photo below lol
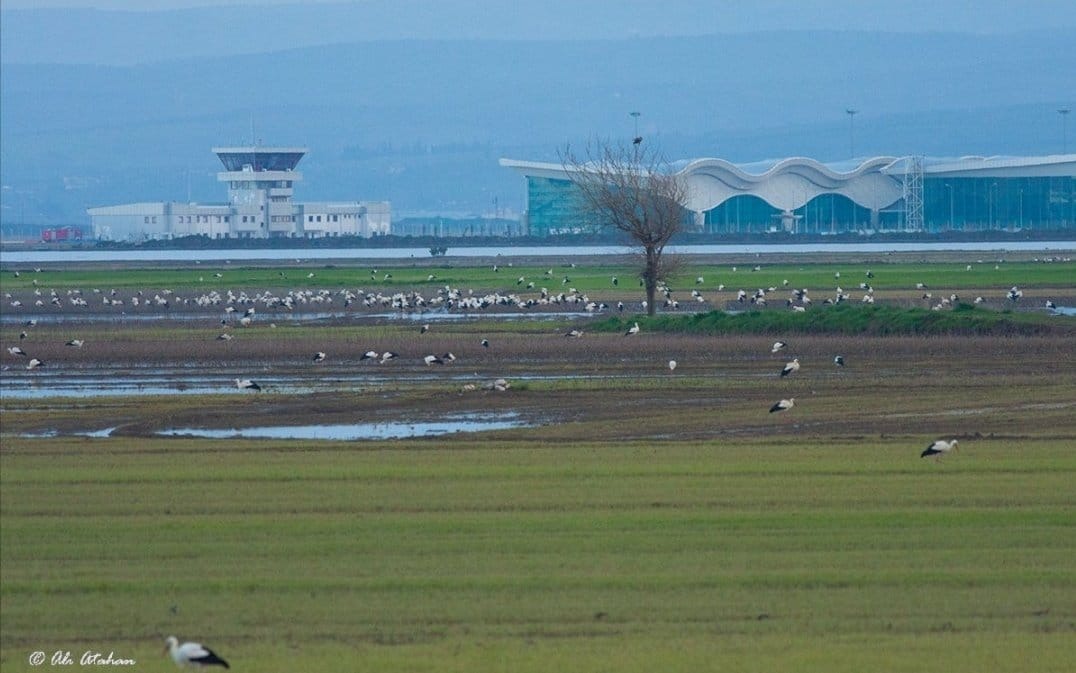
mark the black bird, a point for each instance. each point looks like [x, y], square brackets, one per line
[637, 140]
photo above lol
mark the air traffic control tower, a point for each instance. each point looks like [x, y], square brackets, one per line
[260, 186]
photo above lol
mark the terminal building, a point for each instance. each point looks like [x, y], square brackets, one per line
[804, 196]
[260, 184]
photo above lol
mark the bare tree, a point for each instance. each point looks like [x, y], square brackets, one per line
[632, 191]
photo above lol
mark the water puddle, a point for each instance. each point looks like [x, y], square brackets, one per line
[357, 431]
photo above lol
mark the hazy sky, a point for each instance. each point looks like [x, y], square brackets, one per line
[973, 16]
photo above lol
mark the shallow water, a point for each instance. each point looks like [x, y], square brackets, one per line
[304, 254]
[357, 431]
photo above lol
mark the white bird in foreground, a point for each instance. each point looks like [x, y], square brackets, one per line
[634, 329]
[35, 363]
[793, 366]
[778, 345]
[244, 384]
[783, 405]
[939, 448]
[192, 654]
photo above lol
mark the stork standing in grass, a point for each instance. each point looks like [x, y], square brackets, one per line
[192, 655]
[634, 329]
[783, 405]
[778, 345]
[246, 384]
[939, 448]
[790, 367]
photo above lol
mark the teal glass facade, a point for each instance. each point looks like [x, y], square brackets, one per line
[824, 214]
[949, 203]
[977, 204]
[553, 207]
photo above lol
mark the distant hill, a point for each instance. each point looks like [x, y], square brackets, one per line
[103, 37]
[423, 122]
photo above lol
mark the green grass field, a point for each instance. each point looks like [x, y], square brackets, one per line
[821, 276]
[816, 556]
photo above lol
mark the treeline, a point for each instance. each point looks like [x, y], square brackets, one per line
[853, 319]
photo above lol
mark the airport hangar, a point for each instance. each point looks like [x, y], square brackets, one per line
[260, 183]
[804, 196]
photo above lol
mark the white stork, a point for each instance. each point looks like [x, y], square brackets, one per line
[15, 350]
[370, 355]
[34, 363]
[244, 384]
[634, 329]
[432, 359]
[783, 405]
[672, 365]
[839, 360]
[224, 336]
[939, 448]
[778, 345]
[485, 343]
[574, 333]
[790, 367]
[193, 655]
[425, 328]
[319, 357]
[388, 355]
[76, 343]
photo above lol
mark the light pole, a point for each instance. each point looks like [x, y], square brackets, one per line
[851, 131]
[951, 218]
[637, 139]
[1064, 112]
[991, 193]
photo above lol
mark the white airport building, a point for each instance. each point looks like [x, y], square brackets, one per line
[801, 195]
[260, 188]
